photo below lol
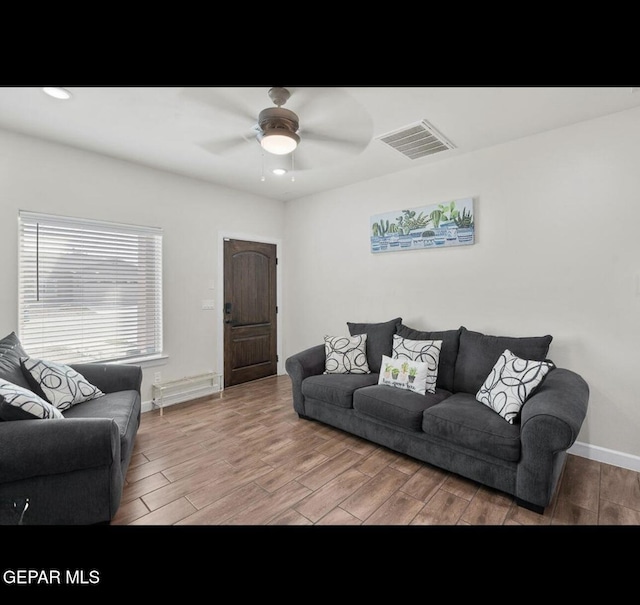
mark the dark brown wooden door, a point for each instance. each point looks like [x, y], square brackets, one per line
[250, 331]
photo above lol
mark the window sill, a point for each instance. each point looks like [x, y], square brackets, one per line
[147, 361]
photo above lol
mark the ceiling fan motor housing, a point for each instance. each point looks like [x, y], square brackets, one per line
[278, 126]
[277, 118]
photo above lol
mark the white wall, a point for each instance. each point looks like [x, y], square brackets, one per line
[557, 252]
[46, 177]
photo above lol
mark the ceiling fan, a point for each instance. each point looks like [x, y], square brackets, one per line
[278, 126]
[323, 126]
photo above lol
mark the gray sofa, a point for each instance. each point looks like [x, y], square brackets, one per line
[450, 428]
[71, 469]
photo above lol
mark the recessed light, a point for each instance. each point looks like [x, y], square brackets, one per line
[57, 92]
[279, 171]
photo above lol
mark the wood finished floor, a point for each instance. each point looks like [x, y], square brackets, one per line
[245, 458]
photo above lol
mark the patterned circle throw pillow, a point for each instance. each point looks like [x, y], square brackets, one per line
[60, 384]
[344, 355]
[18, 403]
[423, 351]
[427, 351]
[510, 383]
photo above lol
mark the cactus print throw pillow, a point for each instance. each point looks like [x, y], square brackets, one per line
[406, 374]
[510, 383]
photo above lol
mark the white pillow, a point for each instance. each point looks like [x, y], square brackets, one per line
[346, 355]
[60, 384]
[18, 403]
[510, 383]
[413, 376]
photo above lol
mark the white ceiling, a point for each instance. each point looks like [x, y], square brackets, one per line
[198, 131]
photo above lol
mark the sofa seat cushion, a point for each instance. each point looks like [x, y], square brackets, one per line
[123, 407]
[336, 389]
[397, 406]
[464, 421]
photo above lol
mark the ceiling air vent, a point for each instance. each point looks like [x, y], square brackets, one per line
[417, 141]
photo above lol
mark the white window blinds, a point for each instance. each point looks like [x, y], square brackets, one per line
[89, 291]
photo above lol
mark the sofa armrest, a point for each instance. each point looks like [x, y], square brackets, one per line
[111, 377]
[550, 422]
[309, 362]
[561, 400]
[34, 448]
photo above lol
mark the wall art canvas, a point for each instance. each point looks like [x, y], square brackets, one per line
[436, 226]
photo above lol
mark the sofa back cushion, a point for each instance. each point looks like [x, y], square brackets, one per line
[478, 353]
[10, 353]
[379, 339]
[448, 352]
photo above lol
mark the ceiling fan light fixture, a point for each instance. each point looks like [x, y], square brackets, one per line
[57, 92]
[278, 128]
[279, 141]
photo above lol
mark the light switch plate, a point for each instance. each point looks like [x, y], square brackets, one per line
[207, 305]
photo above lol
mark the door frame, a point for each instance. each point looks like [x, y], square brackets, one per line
[222, 235]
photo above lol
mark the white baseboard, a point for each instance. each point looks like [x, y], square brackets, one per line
[147, 406]
[602, 454]
[170, 400]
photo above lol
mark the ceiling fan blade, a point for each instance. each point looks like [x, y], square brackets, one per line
[228, 145]
[303, 99]
[347, 144]
[331, 117]
[222, 99]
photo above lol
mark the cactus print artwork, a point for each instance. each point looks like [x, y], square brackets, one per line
[436, 226]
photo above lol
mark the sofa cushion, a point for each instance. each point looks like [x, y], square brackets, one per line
[461, 420]
[344, 355]
[10, 353]
[379, 339]
[18, 403]
[59, 384]
[448, 352]
[396, 406]
[478, 354]
[123, 407]
[336, 389]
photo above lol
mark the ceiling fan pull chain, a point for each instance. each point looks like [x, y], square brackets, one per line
[262, 178]
[293, 178]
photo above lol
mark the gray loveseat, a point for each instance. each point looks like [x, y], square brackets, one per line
[450, 428]
[71, 469]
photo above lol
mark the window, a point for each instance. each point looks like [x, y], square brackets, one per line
[89, 291]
